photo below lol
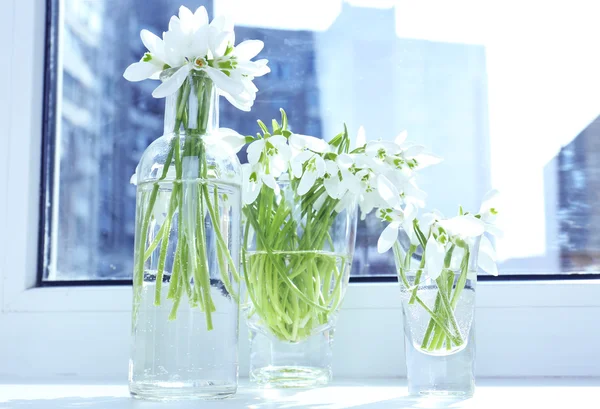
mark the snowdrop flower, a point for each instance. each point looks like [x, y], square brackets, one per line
[301, 142]
[192, 44]
[227, 139]
[334, 185]
[314, 168]
[489, 211]
[272, 151]
[434, 257]
[463, 226]
[308, 164]
[398, 218]
[254, 177]
[389, 235]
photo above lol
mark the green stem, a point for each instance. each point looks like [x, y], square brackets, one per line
[164, 246]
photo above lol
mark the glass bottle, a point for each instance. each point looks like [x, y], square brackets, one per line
[187, 255]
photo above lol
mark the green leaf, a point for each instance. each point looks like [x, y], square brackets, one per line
[460, 210]
[346, 145]
[249, 139]
[336, 140]
[276, 127]
[284, 120]
[286, 133]
[262, 126]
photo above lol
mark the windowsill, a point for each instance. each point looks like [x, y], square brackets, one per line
[517, 393]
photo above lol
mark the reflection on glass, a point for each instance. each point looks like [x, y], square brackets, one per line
[515, 110]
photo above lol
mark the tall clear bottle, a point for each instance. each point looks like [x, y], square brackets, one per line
[187, 255]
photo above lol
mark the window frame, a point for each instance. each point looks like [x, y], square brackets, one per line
[524, 326]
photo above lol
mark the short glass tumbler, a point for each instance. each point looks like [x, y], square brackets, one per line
[438, 315]
[296, 271]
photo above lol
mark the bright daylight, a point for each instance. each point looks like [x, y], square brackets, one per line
[299, 204]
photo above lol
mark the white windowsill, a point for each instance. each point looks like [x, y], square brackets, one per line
[542, 393]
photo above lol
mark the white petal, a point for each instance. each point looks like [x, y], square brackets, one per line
[361, 137]
[414, 195]
[390, 148]
[485, 246]
[218, 41]
[231, 138]
[224, 82]
[199, 44]
[487, 264]
[331, 167]
[310, 142]
[320, 165]
[151, 41]
[201, 16]
[252, 69]
[277, 165]
[173, 83]
[408, 227]
[457, 256]
[246, 50]
[410, 212]
[278, 140]
[299, 161]
[251, 191]
[388, 237]
[222, 23]
[237, 101]
[494, 230]
[254, 151]
[401, 138]
[306, 183]
[174, 25]
[139, 71]
[388, 191]
[186, 18]
[344, 161]
[427, 159]
[464, 226]
[434, 257]
[413, 151]
[332, 186]
[270, 181]
[319, 203]
[352, 182]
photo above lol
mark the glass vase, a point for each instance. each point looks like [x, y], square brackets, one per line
[438, 314]
[296, 270]
[187, 256]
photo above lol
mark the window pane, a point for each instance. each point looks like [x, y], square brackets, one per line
[507, 106]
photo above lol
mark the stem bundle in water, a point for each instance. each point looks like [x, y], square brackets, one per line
[193, 211]
[294, 277]
[443, 330]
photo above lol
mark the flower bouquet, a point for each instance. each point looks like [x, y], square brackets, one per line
[188, 222]
[437, 261]
[300, 206]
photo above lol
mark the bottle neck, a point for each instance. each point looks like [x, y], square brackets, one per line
[194, 108]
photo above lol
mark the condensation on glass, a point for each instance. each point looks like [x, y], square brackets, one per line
[515, 111]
